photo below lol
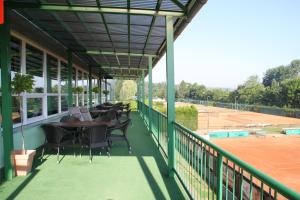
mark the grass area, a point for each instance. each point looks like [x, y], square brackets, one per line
[272, 130]
[185, 115]
[140, 175]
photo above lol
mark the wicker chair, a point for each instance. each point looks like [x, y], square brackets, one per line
[123, 127]
[95, 137]
[56, 137]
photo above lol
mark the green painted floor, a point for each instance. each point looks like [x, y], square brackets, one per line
[140, 175]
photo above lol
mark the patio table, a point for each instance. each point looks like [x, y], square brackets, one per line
[82, 124]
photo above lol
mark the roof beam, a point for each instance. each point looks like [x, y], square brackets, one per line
[179, 4]
[128, 30]
[118, 53]
[93, 9]
[123, 68]
[159, 2]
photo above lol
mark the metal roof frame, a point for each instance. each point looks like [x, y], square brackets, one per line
[111, 36]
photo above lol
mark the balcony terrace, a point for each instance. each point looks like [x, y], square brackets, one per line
[140, 175]
[67, 44]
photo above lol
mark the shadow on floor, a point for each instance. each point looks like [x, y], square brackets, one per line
[23, 184]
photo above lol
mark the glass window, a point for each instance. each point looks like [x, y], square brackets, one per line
[85, 88]
[80, 84]
[73, 77]
[64, 77]
[15, 50]
[34, 67]
[52, 85]
[64, 103]
[52, 71]
[52, 102]
[34, 107]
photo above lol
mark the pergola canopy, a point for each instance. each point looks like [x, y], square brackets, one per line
[116, 38]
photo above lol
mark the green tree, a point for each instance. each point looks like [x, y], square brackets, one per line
[183, 90]
[291, 89]
[251, 91]
[128, 90]
[118, 87]
[281, 73]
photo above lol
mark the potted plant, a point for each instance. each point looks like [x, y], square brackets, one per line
[78, 90]
[22, 158]
[96, 90]
[105, 92]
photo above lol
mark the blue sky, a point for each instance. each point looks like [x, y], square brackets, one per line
[228, 41]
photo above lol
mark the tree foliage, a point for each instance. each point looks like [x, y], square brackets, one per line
[279, 87]
[128, 90]
[22, 83]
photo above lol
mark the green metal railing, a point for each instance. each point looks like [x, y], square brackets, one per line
[158, 125]
[206, 171]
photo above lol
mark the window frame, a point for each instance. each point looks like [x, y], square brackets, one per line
[26, 121]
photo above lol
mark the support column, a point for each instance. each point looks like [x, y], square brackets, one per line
[170, 95]
[90, 87]
[150, 92]
[100, 91]
[70, 93]
[143, 87]
[106, 90]
[7, 128]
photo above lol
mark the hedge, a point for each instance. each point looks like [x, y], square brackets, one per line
[185, 115]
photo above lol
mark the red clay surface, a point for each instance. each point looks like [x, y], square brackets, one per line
[215, 118]
[278, 157]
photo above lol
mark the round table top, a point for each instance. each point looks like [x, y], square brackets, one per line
[104, 111]
[82, 124]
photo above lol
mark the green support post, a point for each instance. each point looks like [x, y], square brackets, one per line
[100, 91]
[70, 93]
[170, 95]
[143, 87]
[7, 128]
[90, 87]
[219, 177]
[150, 92]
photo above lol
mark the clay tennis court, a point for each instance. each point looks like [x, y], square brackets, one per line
[215, 118]
[273, 153]
[278, 157]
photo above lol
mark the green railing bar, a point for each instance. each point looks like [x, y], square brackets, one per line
[233, 184]
[219, 176]
[226, 194]
[279, 187]
[241, 184]
[262, 191]
[208, 161]
[251, 187]
[183, 184]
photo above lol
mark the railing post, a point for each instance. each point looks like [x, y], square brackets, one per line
[90, 87]
[7, 128]
[150, 92]
[219, 176]
[70, 93]
[170, 95]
